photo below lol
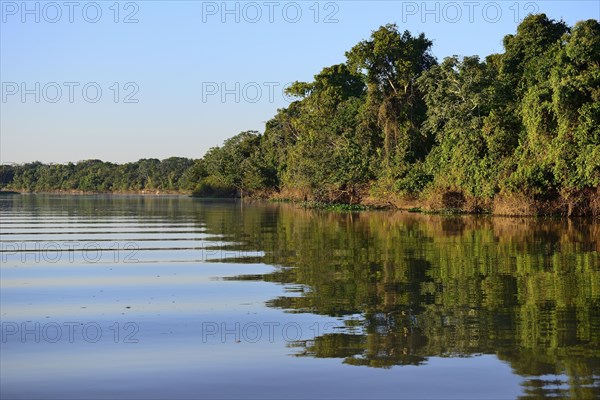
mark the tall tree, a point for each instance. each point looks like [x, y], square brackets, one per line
[391, 62]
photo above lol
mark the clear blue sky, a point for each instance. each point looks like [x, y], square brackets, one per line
[179, 56]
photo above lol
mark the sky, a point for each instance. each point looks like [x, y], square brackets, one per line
[120, 81]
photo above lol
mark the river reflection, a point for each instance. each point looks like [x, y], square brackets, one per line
[406, 288]
[417, 286]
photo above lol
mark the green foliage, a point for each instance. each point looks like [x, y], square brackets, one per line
[459, 94]
[392, 121]
[238, 164]
[210, 188]
[415, 180]
[99, 176]
[327, 158]
[390, 63]
[560, 114]
[7, 174]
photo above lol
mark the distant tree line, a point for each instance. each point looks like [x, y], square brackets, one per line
[518, 132]
[171, 174]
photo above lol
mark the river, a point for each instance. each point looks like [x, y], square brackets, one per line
[173, 297]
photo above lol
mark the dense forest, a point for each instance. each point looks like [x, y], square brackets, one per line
[174, 174]
[515, 133]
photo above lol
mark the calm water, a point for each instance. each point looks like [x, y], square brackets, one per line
[172, 297]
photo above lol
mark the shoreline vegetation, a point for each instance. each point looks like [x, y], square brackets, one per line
[501, 209]
[517, 133]
[96, 192]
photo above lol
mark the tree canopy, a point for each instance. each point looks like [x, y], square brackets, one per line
[516, 132]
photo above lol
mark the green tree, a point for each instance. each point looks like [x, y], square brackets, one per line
[391, 62]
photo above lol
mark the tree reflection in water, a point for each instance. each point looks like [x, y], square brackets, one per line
[526, 290]
[407, 287]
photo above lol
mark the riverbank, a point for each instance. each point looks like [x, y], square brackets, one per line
[83, 192]
[586, 204]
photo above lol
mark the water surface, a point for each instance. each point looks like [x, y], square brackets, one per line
[173, 297]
